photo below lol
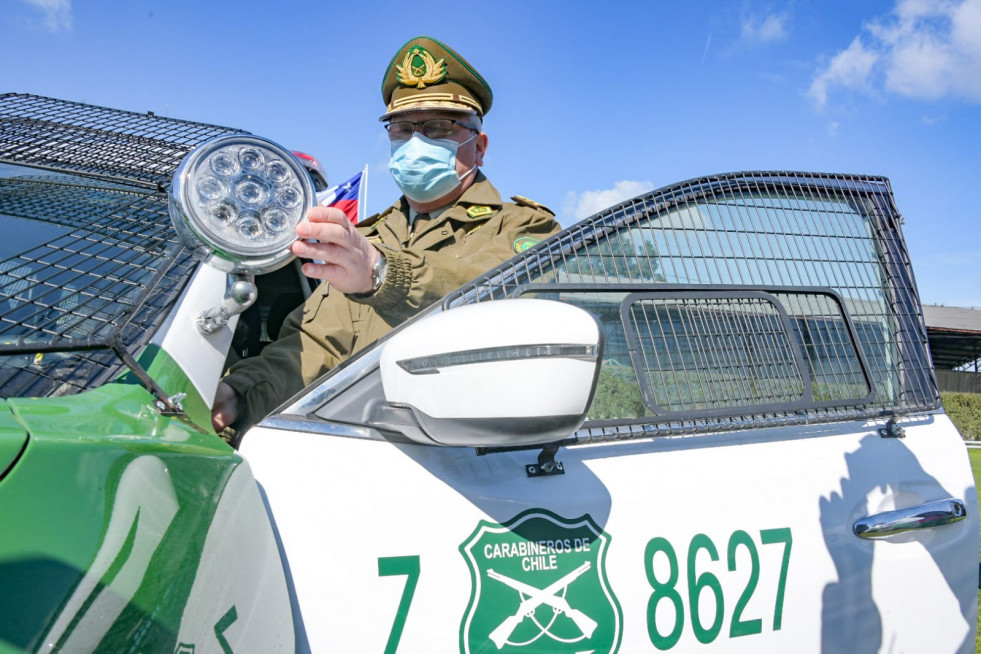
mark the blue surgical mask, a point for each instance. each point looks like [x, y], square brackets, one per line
[425, 168]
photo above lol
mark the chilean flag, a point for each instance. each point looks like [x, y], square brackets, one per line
[343, 196]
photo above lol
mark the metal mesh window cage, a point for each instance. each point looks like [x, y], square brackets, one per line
[725, 352]
[133, 148]
[76, 308]
[853, 346]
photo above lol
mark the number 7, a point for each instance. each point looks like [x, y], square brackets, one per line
[389, 566]
[769, 537]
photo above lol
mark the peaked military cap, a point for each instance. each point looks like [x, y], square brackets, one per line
[427, 74]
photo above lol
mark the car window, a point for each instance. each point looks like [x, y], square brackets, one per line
[76, 275]
[780, 297]
[89, 264]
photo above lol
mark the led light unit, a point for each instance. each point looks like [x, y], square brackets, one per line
[236, 200]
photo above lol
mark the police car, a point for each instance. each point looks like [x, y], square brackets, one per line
[704, 419]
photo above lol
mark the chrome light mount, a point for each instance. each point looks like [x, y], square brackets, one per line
[239, 296]
[235, 202]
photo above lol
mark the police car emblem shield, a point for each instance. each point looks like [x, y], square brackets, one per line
[539, 584]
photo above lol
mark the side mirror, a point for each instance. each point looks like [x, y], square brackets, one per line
[497, 374]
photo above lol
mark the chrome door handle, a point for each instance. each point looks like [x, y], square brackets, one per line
[924, 516]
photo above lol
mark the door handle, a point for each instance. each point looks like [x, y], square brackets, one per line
[924, 516]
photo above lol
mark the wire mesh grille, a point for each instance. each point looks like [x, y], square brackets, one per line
[740, 353]
[96, 289]
[759, 229]
[102, 285]
[141, 149]
[698, 354]
[830, 347]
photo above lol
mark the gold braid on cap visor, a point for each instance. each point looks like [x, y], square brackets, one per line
[435, 101]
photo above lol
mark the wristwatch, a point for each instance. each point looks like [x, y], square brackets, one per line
[378, 273]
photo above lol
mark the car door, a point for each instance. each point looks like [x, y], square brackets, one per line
[763, 466]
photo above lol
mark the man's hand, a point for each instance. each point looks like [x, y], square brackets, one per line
[225, 409]
[347, 256]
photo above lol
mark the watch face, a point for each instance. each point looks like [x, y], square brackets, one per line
[378, 272]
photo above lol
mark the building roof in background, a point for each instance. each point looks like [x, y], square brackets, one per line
[954, 334]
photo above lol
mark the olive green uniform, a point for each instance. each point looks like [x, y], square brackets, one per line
[434, 257]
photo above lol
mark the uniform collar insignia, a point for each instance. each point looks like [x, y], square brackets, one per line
[477, 210]
[419, 68]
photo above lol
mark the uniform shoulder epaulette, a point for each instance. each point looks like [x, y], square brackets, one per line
[525, 202]
[372, 221]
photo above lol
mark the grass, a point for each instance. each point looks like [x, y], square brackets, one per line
[975, 456]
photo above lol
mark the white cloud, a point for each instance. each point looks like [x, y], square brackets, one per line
[582, 205]
[850, 68]
[56, 15]
[923, 49]
[765, 30]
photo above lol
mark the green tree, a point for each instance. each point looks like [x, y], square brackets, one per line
[628, 255]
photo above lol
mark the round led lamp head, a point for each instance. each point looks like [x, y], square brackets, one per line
[236, 200]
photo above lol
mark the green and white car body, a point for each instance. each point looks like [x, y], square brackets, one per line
[702, 420]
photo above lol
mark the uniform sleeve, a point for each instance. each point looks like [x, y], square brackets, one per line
[313, 339]
[321, 334]
[417, 278]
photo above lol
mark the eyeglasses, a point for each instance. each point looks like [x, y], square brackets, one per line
[435, 128]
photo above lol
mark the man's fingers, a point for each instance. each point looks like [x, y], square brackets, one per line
[225, 409]
[327, 214]
[320, 270]
[321, 231]
[327, 231]
[218, 422]
[308, 250]
[331, 252]
[347, 257]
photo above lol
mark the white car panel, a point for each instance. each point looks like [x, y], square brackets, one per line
[342, 504]
[202, 357]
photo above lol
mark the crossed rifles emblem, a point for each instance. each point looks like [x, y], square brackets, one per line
[532, 598]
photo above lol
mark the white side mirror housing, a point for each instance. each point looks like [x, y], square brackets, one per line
[497, 374]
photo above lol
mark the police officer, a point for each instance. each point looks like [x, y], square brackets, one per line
[449, 226]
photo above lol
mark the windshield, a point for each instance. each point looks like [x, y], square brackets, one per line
[77, 262]
[89, 262]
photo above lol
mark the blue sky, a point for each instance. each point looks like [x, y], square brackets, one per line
[593, 102]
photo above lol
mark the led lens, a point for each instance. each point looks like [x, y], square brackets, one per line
[239, 198]
[251, 191]
[288, 197]
[249, 226]
[275, 220]
[211, 189]
[277, 172]
[224, 164]
[251, 159]
[225, 213]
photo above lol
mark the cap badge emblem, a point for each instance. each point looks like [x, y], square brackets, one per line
[420, 68]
